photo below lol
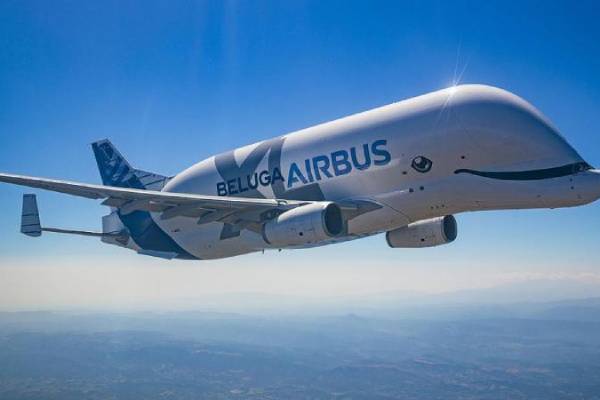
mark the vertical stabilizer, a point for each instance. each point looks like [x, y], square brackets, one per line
[30, 217]
[116, 171]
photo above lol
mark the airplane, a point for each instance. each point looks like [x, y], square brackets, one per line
[403, 169]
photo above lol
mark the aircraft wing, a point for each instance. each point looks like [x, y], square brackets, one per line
[207, 208]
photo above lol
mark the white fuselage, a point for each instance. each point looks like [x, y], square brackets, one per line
[461, 149]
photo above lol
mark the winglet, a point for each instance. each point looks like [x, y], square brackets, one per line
[30, 217]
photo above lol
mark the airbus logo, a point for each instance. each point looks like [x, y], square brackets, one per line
[311, 170]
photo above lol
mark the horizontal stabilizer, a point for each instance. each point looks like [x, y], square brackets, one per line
[80, 233]
[30, 217]
[30, 222]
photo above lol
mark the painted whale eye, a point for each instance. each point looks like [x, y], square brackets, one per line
[421, 164]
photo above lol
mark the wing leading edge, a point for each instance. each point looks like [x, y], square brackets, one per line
[147, 200]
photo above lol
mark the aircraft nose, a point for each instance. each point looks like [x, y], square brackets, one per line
[587, 185]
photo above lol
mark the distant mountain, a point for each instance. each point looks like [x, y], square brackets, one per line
[529, 291]
[551, 298]
[525, 291]
[544, 299]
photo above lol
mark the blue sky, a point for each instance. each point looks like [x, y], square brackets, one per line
[173, 82]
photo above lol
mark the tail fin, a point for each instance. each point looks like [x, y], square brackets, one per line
[116, 171]
[30, 216]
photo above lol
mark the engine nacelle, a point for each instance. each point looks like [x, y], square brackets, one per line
[426, 233]
[305, 225]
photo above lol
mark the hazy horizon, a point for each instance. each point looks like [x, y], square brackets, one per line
[271, 287]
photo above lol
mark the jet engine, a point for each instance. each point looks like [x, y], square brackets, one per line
[426, 233]
[305, 225]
